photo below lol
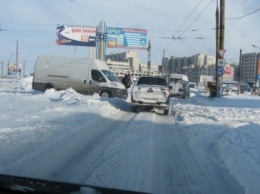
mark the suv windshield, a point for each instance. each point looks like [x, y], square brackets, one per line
[110, 75]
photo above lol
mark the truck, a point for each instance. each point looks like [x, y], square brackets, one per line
[150, 92]
[84, 75]
[179, 85]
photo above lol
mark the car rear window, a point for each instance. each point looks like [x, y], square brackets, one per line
[152, 81]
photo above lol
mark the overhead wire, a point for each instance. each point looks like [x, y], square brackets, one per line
[197, 17]
[52, 25]
[189, 16]
[176, 31]
[237, 18]
[146, 9]
[188, 45]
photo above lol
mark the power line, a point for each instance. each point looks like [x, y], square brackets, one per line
[189, 15]
[186, 45]
[175, 31]
[243, 15]
[151, 10]
[182, 38]
[197, 17]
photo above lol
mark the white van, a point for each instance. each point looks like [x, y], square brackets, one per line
[86, 76]
[179, 86]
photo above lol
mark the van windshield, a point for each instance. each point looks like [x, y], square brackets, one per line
[110, 75]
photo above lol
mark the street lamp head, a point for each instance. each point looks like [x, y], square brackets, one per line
[255, 46]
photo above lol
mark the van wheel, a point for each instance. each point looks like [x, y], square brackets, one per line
[47, 87]
[105, 94]
[166, 112]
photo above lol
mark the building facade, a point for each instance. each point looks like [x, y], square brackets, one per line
[198, 68]
[129, 63]
[194, 67]
[249, 67]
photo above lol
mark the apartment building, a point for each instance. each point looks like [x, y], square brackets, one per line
[249, 66]
[129, 63]
[194, 66]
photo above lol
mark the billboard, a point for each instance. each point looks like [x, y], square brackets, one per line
[228, 69]
[126, 38]
[75, 35]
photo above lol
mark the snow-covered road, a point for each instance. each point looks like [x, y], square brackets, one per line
[68, 137]
[141, 152]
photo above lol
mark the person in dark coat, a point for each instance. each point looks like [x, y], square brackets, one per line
[127, 81]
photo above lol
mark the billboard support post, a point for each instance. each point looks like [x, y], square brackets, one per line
[101, 39]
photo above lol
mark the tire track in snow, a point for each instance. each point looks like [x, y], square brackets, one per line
[91, 157]
[57, 159]
[179, 169]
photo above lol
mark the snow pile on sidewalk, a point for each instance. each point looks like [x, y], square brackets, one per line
[230, 127]
[94, 103]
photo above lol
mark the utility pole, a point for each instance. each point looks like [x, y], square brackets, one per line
[222, 26]
[163, 62]
[149, 57]
[2, 65]
[220, 37]
[240, 70]
[17, 59]
[217, 48]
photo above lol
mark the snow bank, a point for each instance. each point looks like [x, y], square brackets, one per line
[230, 127]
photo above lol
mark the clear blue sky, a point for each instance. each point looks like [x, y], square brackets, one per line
[33, 24]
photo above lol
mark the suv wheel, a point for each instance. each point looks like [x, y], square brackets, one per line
[166, 112]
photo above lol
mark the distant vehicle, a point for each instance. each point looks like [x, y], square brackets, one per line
[179, 86]
[150, 92]
[86, 76]
[229, 87]
[192, 84]
[201, 86]
[233, 86]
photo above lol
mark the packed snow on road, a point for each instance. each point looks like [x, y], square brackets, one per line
[203, 146]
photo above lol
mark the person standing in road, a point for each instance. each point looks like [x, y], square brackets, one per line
[127, 81]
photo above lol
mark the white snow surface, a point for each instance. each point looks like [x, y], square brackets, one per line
[37, 131]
